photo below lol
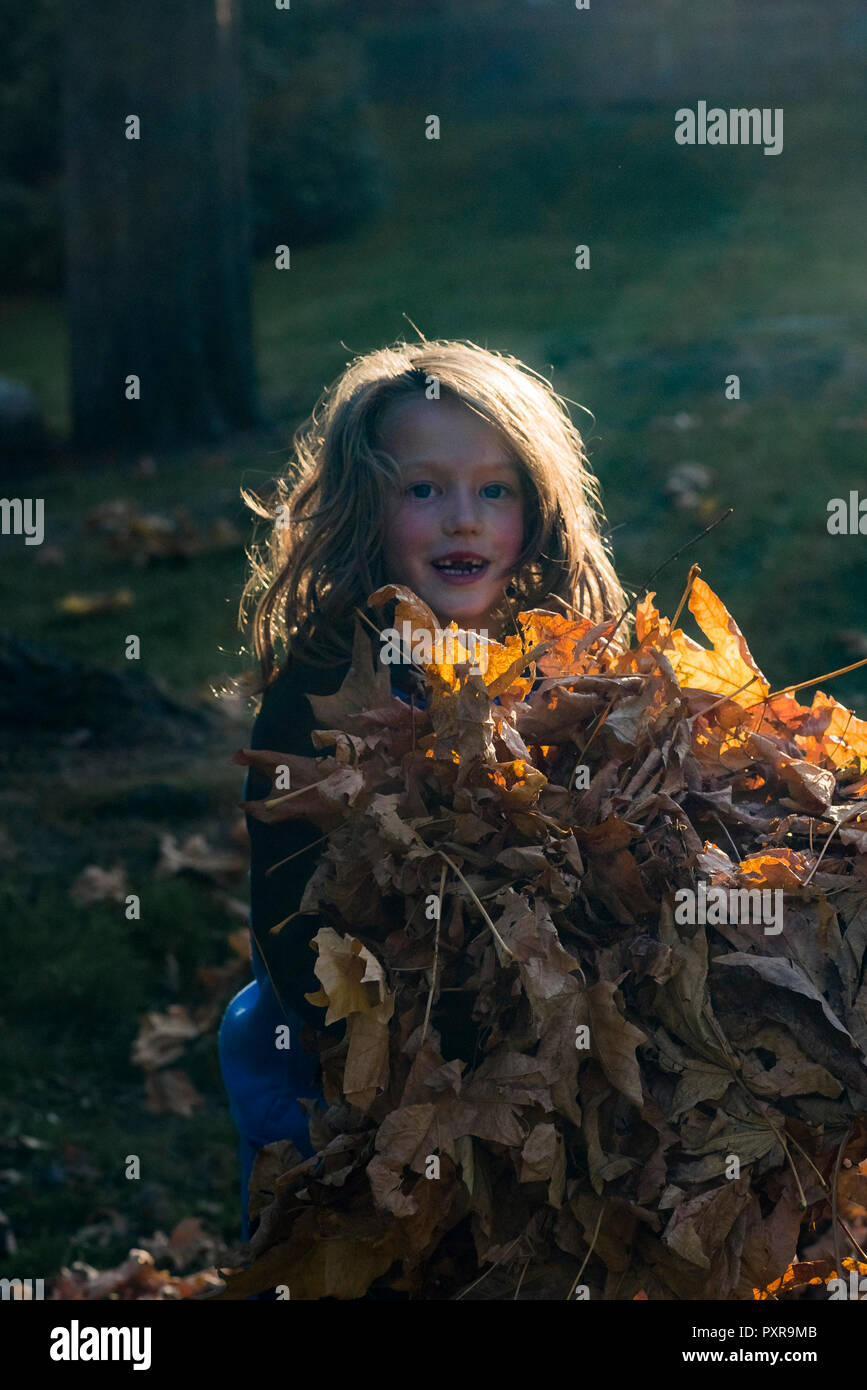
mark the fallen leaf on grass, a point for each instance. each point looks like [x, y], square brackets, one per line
[163, 1037]
[171, 1093]
[95, 885]
[197, 856]
[92, 605]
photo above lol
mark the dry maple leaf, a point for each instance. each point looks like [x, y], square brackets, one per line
[728, 667]
[833, 734]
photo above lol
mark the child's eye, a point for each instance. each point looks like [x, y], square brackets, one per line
[413, 490]
[503, 489]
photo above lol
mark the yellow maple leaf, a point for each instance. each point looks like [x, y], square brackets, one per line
[353, 981]
[727, 667]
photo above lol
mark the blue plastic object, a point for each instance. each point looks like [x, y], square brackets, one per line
[263, 1081]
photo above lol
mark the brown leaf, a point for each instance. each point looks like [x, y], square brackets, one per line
[614, 1041]
[698, 1228]
[95, 885]
[162, 1038]
[197, 856]
[367, 685]
[171, 1093]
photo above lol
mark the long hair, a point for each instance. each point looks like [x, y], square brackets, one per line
[324, 553]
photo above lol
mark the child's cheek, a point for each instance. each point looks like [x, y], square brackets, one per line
[412, 529]
[407, 538]
[511, 537]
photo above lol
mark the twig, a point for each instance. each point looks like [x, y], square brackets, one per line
[302, 850]
[571, 607]
[829, 675]
[600, 720]
[364, 618]
[725, 830]
[488, 1271]
[272, 931]
[639, 593]
[433, 983]
[270, 975]
[577, 1279]
[521, 1280]
[834, 1181]
[852, 1238]
[722, 698]
[780, 1135]
[474, 896]
[838, 826]
[803, 1152]
[407, 658]
[694, 572]
[288, 796]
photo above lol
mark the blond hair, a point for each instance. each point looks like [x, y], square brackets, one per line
[313, 573]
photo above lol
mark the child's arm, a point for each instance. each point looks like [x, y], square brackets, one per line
[285, 723]
[287, 956]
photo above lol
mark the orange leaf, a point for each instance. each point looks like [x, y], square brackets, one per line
[807, 1272]
[564, 634]
[728, 665]
[779, 868]
[647, 618]
[835, 734]
[410, 608]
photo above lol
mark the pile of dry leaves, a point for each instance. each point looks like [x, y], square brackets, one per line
[649, 1108]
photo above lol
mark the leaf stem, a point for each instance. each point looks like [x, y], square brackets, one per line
[834, 1181]
[802, 685]
[433, 983]
[474, 896]
[577, 1279]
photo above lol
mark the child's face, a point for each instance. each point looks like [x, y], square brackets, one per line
[461, 501]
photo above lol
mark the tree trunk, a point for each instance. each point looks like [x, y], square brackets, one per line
[158, 266]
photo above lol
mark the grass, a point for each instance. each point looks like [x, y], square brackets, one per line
[76, 981]
[704, 262]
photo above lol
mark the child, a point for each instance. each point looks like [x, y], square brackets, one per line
[450, 469]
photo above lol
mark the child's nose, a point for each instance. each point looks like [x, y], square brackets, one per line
[463, 512]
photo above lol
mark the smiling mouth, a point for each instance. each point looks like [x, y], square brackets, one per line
[462, 568]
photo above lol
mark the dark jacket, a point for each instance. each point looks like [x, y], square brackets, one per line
[284, 723]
